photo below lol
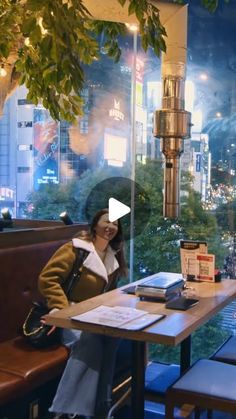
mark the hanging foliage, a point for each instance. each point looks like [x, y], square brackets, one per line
[44, 44]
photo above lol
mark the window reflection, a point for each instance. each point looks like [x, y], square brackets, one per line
[40, 156]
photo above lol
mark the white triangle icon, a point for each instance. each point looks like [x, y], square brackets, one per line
[116, 209]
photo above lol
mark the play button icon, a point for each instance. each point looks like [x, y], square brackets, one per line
[115, 193]
[117, 209]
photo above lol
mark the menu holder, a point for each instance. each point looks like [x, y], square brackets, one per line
[206, 264]
[188, 254]
[119, 316]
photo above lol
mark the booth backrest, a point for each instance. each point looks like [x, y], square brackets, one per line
[19, 270]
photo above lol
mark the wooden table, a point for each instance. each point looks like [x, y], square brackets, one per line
[176, 328]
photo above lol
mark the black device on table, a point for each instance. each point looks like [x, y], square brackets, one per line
[181, 303]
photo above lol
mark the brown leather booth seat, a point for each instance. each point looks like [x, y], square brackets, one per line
[20, 267]
[8, 382]
[22, 367]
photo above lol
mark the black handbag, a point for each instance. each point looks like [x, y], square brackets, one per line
[34, 331]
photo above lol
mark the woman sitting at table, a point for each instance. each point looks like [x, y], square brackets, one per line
[86, 384]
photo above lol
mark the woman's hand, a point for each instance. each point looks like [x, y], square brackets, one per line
[51, 330]
[43, 321]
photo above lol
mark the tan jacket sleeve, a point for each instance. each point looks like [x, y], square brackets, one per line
[54, 274]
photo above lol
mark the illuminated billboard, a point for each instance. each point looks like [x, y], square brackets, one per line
[45, 148]
[115, 149]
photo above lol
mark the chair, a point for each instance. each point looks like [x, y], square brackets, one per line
[121, 388]
[158, 377]
[207, 384]
[227, 352]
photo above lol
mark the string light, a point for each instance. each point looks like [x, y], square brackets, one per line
[203, 76]
[132, 27]
[3, 71]
[27, 42]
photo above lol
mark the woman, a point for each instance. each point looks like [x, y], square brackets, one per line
[85, 387]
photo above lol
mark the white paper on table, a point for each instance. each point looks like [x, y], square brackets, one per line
[119, 316]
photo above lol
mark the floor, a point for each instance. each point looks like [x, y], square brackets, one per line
[156, 411]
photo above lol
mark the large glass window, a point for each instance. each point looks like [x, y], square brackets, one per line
[48, 167]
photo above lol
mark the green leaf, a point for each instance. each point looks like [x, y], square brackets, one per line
[132, 7]
[67, 87]
[157, 49]
[53, 52]
[122, 2]
[4, 50]
[28, 25]
[46, 44]
[139, 14]
[35, 5]
[162, 44]
[35, 35]
[210, 5]
[51, 66]
[144, 42]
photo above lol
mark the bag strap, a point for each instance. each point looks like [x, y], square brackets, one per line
[81, 255]
[34, 331]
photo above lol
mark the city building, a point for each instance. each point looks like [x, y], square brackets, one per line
[36, 150]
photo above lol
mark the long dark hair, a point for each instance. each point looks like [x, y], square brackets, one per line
[117, 243]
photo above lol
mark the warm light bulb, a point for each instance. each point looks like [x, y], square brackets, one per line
[203, 76]
[27, 42]
[3, 72]
[132, 27]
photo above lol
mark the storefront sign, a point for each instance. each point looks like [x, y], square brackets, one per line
[115, 112]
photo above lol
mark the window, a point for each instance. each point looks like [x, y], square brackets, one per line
[23, 169]
[85, 154]
[25, 124]
[24, 102]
